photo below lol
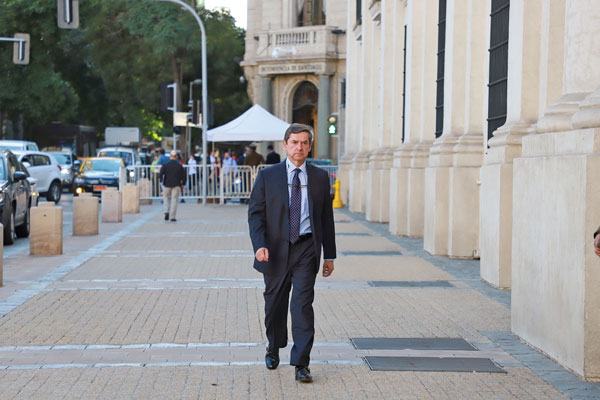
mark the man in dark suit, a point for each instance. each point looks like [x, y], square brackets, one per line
[272, 156]
[291, 219]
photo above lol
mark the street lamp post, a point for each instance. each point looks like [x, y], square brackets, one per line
[189, 130]
[204, 93]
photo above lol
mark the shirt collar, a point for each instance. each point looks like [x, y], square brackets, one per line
[290, 166]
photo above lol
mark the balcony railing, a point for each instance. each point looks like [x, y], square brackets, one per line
[301, 42]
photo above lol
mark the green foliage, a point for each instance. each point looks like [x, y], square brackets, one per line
[107, 73]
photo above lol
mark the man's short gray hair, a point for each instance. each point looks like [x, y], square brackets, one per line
[297, 128]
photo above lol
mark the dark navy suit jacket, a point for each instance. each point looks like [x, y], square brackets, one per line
[268, 216]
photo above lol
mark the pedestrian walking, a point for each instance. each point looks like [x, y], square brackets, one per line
[172, 177]
[290, 219]
[252, 157]
[163, 159]
[272, 156]
[229, 172]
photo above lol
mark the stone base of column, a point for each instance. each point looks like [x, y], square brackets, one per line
[452, 196]
[343, 174]
[358, 182]
[555, 273]
[378, 181]
[407, 190]
[495, 200]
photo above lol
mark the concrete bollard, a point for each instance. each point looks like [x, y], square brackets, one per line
[131, 199]
[85, 215]
[112, 206]
[46, 230]
[145, 190]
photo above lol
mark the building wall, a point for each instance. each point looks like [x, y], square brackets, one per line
[524, 201]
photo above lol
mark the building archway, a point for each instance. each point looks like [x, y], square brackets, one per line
[304, 108]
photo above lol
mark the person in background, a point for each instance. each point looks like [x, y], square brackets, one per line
[193, 175]
[252, 157]
[272, 156]
[229, 171]
[173, 178]
[162, 159]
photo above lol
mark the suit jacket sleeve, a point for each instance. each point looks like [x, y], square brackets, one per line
[329, 250]
[162, 174]
[257, 213]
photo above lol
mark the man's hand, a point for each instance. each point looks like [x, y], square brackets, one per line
[327, 268]
[596, 240]
[262, 254]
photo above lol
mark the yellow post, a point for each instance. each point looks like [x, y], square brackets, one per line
[337, 201]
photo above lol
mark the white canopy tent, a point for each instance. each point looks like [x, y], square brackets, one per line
[255, 125]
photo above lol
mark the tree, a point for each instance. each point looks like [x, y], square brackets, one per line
[109, 71]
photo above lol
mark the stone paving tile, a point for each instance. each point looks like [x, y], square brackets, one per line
[236, 315]
[255, 382]
[352, 227]
[154, 268]
[392, 268]
[157, 244]
[365, 243]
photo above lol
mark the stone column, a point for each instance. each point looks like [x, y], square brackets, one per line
[554, 269]
[407, 176]
[451, 189]
[266, 93]
[324, 110]
[380, 160]
[522, 111]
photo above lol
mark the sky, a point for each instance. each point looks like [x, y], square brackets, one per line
[238, 9]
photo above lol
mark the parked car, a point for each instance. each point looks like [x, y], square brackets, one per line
[18, 145]
[15, 197]
[96, 174]
[46, 170]
[69, 164]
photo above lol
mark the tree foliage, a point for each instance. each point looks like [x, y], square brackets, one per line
[107, 73]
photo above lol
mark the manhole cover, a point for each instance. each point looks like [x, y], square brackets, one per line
[371, 253]
[410, 284]
[432, 364]
[412, 344]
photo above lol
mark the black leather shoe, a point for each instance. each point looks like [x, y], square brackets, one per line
[303, 375]
[173, 219]
[272, 358]
[166, 216]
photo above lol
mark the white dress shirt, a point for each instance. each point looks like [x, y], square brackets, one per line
[304, 211]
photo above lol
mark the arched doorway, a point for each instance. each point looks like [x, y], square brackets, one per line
[304, 108]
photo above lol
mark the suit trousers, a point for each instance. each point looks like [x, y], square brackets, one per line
[300, 277]
[170, 197]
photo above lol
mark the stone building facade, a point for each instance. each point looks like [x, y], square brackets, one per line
[295, 63]
[475, 124]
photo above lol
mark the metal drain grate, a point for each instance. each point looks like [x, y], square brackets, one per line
[412, 344]
[432, 364]
[371, 253]
[412, 284]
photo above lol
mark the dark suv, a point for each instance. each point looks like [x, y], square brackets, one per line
[15, 197]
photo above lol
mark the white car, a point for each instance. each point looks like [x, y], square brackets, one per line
[18, 145]
[46, 170]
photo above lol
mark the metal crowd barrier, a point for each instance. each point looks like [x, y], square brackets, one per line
[224, 183]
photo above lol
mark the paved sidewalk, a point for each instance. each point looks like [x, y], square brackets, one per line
[155, 309]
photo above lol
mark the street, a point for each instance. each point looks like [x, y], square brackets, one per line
[155, 309]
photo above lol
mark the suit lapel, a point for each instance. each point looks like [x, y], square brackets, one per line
[283, 194]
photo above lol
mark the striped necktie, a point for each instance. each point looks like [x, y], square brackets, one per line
[295, 207]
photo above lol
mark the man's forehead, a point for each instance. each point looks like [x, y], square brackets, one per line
[299, 136]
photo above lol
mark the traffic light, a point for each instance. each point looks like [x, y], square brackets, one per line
[332, 128]
[168, 97]
[21, 49]
[195, 111]
[67, 14]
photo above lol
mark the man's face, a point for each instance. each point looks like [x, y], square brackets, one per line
[226, 155]
[297, 147]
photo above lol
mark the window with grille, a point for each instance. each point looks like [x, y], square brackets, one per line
[404, 84]
[498, 65]
[311, 12]
[439, 100]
